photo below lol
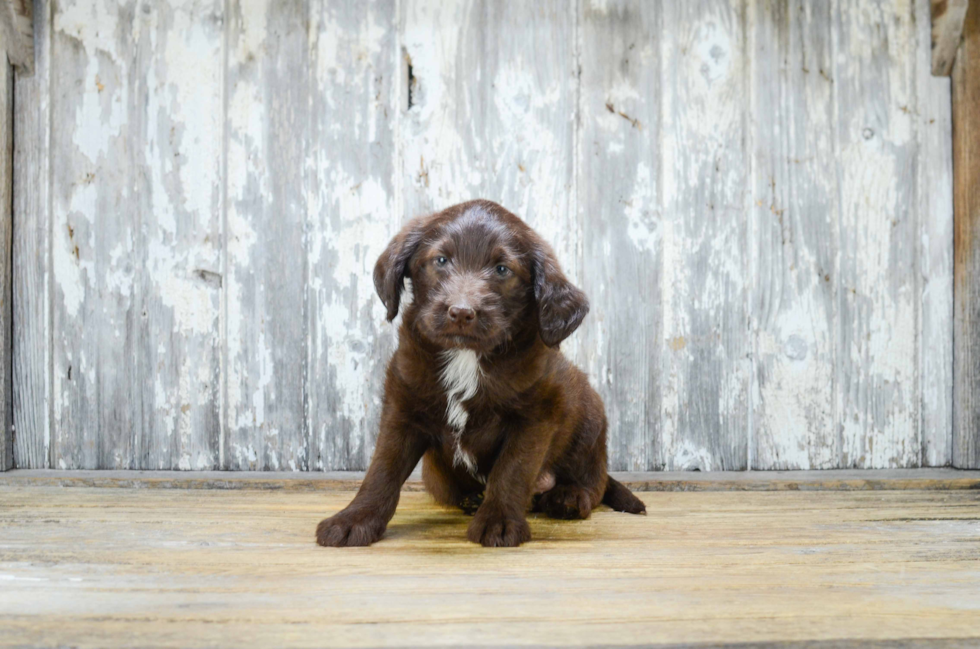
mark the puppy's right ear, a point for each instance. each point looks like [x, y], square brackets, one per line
[392, 266]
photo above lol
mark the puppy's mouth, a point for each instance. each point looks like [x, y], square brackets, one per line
[455, 339]
[481, 337]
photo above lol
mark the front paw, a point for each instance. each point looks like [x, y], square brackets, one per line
[495, 529]
[350, 528]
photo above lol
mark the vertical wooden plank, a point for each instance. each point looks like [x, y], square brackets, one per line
[619, 193]
[934, 185]
[705, 357]
[877, 383]
[178, 149]
[6, 234]
[17, 34]
[492, 114]
[95, 199]
[947, 30]
[793, 221]
[268, 135]
[137, 243]
[356, 71]
[31, 253]
[966, 287]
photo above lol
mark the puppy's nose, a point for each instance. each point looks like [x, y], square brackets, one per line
[461, 314]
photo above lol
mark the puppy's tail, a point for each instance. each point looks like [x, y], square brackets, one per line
[622, 499]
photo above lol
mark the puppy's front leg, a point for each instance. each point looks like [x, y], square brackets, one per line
[501, 520]
[399, 449]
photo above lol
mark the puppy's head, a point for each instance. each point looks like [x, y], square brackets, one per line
[479, 276]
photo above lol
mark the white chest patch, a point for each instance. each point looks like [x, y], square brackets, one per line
[461, 378]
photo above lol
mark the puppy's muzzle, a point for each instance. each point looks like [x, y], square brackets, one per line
[462, 315]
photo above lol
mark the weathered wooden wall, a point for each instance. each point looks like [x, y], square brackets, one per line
[756, 195]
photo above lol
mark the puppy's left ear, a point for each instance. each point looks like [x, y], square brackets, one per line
[561, 305]
[392, 266]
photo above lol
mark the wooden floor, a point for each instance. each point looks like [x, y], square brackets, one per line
[134, 566]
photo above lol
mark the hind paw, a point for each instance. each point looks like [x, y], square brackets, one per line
[566, 502]
[469, 504]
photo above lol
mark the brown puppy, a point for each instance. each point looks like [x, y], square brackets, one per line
[478, 386]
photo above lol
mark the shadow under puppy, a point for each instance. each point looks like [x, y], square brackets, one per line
[477, 386]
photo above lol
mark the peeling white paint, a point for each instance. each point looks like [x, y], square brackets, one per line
[688, 457]
[642, 211]
[713, 46]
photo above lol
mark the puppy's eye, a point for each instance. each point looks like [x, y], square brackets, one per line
[502, 270]
[442, 261]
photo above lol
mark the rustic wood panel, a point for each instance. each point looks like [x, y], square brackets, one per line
[799, 570]
[265, 322]
[357, 83]
[31, 251]
[96, 190]
[877, 380]
[947, 30]
[793, 229]
[966, 288]
[178, 151]
[492, 107]
[934, 187]
[137, 228]
[17, 33]
[619, 201]
[6, 271]
[705, 376]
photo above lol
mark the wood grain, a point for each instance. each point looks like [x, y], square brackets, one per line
[619, 198]
[947, 30]
[265, 321]
[356, 82]
[877, 379]
[100, 567]
[966, 288]
[793, 224]
[706, 364]
[17, 33]
[934, 189]
[6, 270]
[179, 152]
[32, 345]
[94, 198]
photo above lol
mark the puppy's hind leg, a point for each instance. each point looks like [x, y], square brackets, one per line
[581, 481]
[442, 485]
[572, 499]
[567, 501]
[622, 499]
